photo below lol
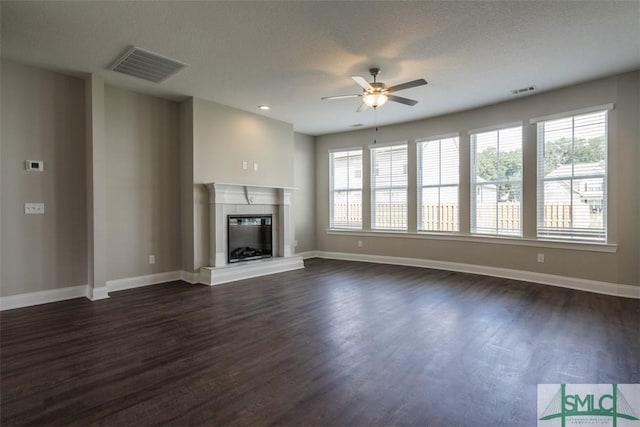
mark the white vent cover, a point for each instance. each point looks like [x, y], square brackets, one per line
[147, 65]
[523, 90]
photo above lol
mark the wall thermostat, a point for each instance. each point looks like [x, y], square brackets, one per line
[34, 165]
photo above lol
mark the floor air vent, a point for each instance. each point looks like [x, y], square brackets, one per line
[147, 65]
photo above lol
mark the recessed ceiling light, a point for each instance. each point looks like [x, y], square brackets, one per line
[264, 107]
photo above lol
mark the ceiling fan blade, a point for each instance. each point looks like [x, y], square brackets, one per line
[362, 107]
[401, 100]
[407, 85]
[340, 96]
[362, 82]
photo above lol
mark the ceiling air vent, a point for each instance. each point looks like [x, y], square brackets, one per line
[147, 65]
[523, 90]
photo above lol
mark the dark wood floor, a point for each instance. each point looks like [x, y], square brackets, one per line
[338, 343]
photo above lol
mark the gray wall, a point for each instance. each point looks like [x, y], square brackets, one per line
[143, 184]
[224, 137]
[619, 267]
[304, 201]
[158, 155]
[42, 119]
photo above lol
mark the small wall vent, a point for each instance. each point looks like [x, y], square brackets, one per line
[147, 65]
[523, 90]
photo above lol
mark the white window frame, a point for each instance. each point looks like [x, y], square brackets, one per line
[420, 186]
[541, 180]
[349, 189]
[473, 189]
[373, 188]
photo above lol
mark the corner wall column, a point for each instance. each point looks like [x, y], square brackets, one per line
[96, 188]
[285, 223]
[217, 257]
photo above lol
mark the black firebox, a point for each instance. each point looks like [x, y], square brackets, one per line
[249, 237]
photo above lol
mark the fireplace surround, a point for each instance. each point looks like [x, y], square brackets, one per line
[238, 200]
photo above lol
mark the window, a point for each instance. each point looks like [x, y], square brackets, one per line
[389, 187]
[572, 173]
[496, 182]
[346, 189]
[438, 178]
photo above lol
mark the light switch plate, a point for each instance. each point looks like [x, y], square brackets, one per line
[34, 208]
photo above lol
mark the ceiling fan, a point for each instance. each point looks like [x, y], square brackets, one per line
[376, 93]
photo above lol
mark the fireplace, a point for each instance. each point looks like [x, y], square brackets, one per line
[249, 237]
[272, 226]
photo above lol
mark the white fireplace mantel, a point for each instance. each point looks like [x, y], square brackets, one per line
[239, 199]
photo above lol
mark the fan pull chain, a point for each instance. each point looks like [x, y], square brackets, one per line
[375, 125]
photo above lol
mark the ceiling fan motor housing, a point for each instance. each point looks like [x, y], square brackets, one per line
[377, 86]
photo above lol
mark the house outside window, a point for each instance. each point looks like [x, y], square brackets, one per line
[346, 189]
[496, 182]
[572, 176]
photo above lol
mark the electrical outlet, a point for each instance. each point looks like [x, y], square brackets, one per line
[34, 208]
[540, 257]
[359, 243]
[152, 259]
[34, 165]
[255, 167]
[244, 165]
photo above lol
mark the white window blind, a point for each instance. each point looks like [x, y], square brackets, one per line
[438, 181]
[346, 189]
[572, 177]
[389, 187]
[496, 182]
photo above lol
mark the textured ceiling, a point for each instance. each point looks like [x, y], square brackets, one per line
[289, 54]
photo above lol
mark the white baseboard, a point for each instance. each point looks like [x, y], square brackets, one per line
[309, 254]
[94, 294]
[61, 294]
[606, 288]
[101, 292]
[140, 281]
[190, 277]
[43, 297]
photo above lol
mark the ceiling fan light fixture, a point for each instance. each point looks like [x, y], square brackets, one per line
[374, 100]
[377, 93]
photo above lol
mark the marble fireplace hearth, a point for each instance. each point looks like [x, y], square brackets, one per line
[237, 199]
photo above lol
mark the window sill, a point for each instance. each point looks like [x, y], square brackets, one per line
[500, 240]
